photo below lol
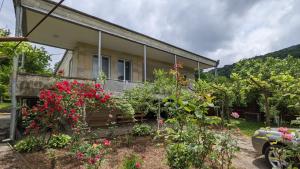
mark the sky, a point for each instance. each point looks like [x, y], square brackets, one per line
[225, 30]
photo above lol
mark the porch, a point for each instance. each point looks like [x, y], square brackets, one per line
[95, 47]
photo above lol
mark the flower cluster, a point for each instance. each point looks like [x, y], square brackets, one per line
[63, 102]
[92, 154]
[235, 115]
[285, 134]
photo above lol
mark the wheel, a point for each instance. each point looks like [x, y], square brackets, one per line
[273, 155]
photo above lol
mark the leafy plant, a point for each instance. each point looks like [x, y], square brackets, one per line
[29, 144]
[91, 154]
[59, 141]
[141, 130]
[132, 162]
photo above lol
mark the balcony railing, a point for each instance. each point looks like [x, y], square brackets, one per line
[29, 85]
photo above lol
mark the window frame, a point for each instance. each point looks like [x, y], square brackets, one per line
[109, 64]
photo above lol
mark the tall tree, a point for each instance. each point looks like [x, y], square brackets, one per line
[36, 61]
[276, 80]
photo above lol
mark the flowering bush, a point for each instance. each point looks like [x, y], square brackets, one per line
[132, 162]
[91, 155]
[62, 104]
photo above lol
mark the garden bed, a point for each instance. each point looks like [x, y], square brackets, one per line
[152, 154]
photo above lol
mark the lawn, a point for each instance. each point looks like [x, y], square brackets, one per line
[248, 127]
[5, 106]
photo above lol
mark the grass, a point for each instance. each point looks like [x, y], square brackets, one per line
[248, 127]
[5, 106]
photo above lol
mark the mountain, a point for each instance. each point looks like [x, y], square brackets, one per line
[283, 53]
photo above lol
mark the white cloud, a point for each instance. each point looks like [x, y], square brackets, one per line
[225, 30]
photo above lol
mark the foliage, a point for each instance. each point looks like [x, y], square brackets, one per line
[146, 98]
[91, 154]
[141, 129]
[59, 141]
[37, 60]
[248, 127]
[29, 144]
[190, 142]
[276, 81]
[132, 161]
[281, 54]
[5, 106]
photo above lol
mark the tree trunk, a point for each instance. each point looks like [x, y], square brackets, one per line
[267, 109]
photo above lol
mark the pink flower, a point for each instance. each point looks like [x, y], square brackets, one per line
[283, 129]
[235, 115]
[287, 136]
[137, 165]
[106, 142]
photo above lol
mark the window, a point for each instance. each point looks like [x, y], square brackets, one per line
[105, 66]
[124, 70]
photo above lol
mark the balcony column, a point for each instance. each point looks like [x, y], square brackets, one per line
[175, 59]
[99, 56]
[145, 63]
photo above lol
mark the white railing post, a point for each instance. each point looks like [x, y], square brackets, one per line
[99, 56]
[198, 70]
[145, 63]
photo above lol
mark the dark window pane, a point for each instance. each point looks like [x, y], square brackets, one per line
[105, 66]
[128, 70]
[95, 67]
[120, 70]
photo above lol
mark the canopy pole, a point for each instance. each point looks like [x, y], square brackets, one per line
[13, 114]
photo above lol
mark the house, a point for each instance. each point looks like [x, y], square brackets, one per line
[95, 46]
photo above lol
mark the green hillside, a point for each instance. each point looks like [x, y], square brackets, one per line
[283, 53]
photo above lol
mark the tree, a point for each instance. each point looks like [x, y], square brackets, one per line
[276, 80]
[37, 60]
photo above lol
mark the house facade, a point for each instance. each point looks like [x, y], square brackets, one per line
[95, 46]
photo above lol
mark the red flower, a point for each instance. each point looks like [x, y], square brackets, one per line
[106, 142]
[137, 165]
[79, 155]
[92, 160]
[97, 86]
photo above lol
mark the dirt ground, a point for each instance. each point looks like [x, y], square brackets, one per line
[153, 156]
[248, 158]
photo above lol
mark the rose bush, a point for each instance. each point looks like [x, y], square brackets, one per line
[62, 105]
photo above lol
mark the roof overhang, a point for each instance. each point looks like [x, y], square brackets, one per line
[66, 27]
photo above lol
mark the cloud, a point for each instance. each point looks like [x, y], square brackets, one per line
[219, 29]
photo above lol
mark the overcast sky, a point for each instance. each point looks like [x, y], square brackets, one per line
[228, 30]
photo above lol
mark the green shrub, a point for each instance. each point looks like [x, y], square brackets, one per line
[132, 162]
[29, 144]
[59, 141]
[141, 130]
[178, 156]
